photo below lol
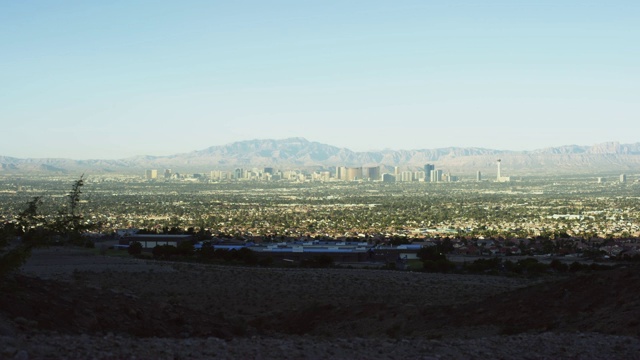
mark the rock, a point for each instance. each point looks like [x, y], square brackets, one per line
[8, 350]
[21, 355]
[6, 329]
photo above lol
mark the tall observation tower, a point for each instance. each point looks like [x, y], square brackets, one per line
[501, 178]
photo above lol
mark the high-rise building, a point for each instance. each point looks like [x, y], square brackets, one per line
[371, 173]
[479, 176]
[428, 169]
[151, 174]
[406, 176]
[436, 176]
[501, 178]
[353, 174]
[218, 175]
[623, 178]
[322, 176]
[167, 173]
[290, 175]
[375, 173]
[449, 178]
[388, 178]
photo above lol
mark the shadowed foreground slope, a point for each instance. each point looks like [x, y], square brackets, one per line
[259, 306]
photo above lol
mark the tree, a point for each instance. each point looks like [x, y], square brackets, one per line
[558, 266]
[206, 251]
[70, 224]
[29, 217]
[247, 255]
[430, 253]
[11, 257]
[446, 246]
[32, 226]
[548, 247]
[135, 248]
[32, 230]
[185, 248]
[165, 252]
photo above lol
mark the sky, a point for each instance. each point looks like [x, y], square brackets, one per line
[115, 79]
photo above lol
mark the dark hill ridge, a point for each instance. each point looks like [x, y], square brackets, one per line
[301, 153]
[309, 302]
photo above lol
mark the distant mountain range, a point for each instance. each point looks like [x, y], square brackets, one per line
[300, 153]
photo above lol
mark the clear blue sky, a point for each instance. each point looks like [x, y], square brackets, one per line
[113, 79]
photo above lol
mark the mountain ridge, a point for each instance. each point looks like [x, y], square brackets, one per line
[298, 152]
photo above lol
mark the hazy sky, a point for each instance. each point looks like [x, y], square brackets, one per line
[113, 79]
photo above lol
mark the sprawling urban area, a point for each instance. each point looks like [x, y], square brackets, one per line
[347, 212]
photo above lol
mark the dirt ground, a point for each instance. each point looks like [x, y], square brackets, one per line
[72, 303]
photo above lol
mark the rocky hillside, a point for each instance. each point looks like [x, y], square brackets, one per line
[73, 303]
[301, 153]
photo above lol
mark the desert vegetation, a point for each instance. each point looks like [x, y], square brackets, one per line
[31, 228]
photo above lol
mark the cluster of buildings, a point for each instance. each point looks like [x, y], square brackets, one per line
[358, 173]
[345, 251]
[295, 250]
[570, 249]
[341, 173]
[622, 179]
[168, 174]
[429, 174]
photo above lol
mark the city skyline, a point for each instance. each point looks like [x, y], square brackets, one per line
[118, 79]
